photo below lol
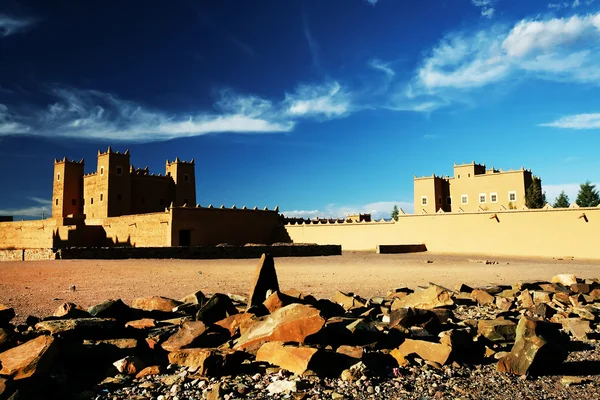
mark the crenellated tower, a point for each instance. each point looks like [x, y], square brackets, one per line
[184, 176]
[67, 192]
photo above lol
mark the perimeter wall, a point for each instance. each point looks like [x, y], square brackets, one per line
[573, 232]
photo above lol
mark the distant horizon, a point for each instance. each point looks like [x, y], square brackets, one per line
[278, 105]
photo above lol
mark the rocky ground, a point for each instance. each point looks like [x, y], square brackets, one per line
[528, 340]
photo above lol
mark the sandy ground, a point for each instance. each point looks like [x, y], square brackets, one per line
[38, 287]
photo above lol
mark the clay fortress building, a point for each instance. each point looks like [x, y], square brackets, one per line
[472, 188]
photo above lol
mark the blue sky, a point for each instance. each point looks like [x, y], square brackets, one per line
[321, 107]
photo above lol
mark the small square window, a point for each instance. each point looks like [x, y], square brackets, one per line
[459, 176]
[482, 198]
[101, 197]
[468, 175]
[423, 200]
[56, 202]
[101, 170]
[74, 202]
[464, 199]
[119, 171]
[186, 177]
[494, 197]
[92, 200]
[169, 173]
[512, 196]
[58, 176]
[449, 200]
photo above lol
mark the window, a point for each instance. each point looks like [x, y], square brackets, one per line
[449, 200]
[92, 200]
[464, 199]
[119, 171]
[468, 175]
[101, 170]
[512, 196]
[458, 176]
[58, 176]
[119, 197]
[493, 197]
[169, 173]
[423, 200]
[56, 202]
[74, 202]
[186, 177]
[101, 196]
[482, 198]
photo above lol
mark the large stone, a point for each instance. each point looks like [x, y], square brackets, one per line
[578, 328]
[111, 309]
[565, 279]
[265, 281]
[6, 314]
[355, 352]
[278, 387]
[93, 327]
[293, 323]
[206, 362]
[148, 371]
[348, 300]
[482, 297]
[525, 299]
[70, 310]
[30, 358]
[194, 298]
[279, 300]
[6, 337]
[237, 323]
[217, 308]
[129, 365]
[144, 323]
[187, 334]
[155, 303]
[497, 329]
[407, 317]
[292, 358]
[538, 349]
[432, 297]
[428, 351]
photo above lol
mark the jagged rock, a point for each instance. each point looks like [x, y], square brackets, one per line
[293, 323]
[148, 371]
[111, 309]
[278, 300]
[482, 297]
[71, 310]
[292, 358]
[430, 351]
[504, 303]
[565, 279]
[216, 392]
[118, 344]
[157, 336]
[462, 288]
[144, 323]
[363, 331]
[189, 332]
[155, 303]
[237, 323]
[6, 336]
[541, 297]
[538, 348]
[525, 299]
[207, 362]
[497, 329]
[265, 281]
[6, 314]
[278, 387]
[129, 365]
[355, 352]
[348, 301]
[573, 380]
[354, 373]
[432, 297]
[399, 357]
[585, 313]
[30, 358]
[407, 317]
[3, 387]
[217, 308]
[81, 326]
[582, 288]
[595, 294]
[464, 298]
[194, 298]
[578, 328]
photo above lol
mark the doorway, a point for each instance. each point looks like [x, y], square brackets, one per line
[185, 237]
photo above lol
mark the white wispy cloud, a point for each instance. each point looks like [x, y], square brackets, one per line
[8, 125]
[372, 2]
[328, 100]
[382, 66]
[487, 10]
[11, 25]
[313, 45]
[578, 121]
[569, 4]
[560, 49]
[378, 210]
[35, 211]
[40, 200]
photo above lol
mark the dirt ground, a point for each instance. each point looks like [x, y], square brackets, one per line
[39, 287]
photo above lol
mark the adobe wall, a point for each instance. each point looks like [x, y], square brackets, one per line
[27, 234]
[212, 226]
[534, 233]
[143, 230]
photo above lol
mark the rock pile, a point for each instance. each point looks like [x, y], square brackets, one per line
[408, 343]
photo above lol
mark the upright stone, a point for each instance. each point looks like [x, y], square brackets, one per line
[28, 359]
[265, 280]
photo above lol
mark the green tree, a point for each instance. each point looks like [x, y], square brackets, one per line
[395, 213]
[534, 197]
[588, 195]
[562, 201]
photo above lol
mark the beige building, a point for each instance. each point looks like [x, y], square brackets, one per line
[472, 188]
